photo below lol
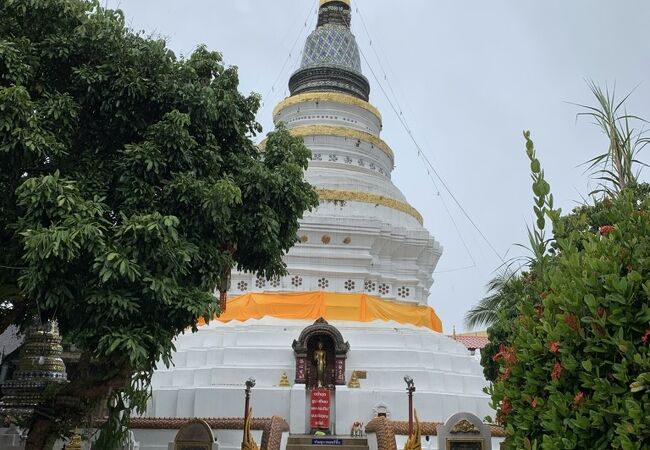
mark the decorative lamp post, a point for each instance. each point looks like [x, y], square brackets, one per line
[410, 388]
[250, 383]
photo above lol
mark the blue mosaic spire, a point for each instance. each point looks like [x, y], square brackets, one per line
[331, 59]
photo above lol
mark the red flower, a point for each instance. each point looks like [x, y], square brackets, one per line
[539, 309]
[601, 311]
[556, 373]
[606, 229]
[506, 353]
[571, 320]
[554, 346]
[646, 336]
[506, 406]
[579, 399]
[533, 404]
[505, 374]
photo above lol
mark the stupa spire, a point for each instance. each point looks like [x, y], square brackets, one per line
[334, 12]
[331, 60]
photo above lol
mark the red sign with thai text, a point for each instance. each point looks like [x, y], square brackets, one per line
[320, 409]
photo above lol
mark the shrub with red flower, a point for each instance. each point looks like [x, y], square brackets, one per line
[556, 373]
[582, 374]
[606, 229]
[572, 321]
[506, 406]
[646, 336]
[506, 353]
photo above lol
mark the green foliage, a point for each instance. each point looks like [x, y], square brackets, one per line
[485, 312]
[507, 291]
[130, 188]
[576, 371]
[615, 168]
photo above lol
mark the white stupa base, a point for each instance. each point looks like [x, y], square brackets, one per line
[210, 367]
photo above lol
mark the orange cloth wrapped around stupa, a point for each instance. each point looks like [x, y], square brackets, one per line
[330, 306]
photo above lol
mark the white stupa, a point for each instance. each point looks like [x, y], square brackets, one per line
[364, 264]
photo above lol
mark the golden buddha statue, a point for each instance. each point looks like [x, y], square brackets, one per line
[320, 360]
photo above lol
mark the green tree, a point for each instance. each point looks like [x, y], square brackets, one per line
[130, 187]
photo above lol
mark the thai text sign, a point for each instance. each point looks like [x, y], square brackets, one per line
[320, 408]
[326, 441]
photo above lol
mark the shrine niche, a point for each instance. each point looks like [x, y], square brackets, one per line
[464, 431]
[320, 353]
[195, 435]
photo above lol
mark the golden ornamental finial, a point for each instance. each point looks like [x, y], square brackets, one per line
[414, 441]
[248, 443]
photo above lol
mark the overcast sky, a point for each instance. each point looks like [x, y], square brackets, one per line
[468, 77]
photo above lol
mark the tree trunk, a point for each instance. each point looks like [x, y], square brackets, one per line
[41, 435]
[44, 431]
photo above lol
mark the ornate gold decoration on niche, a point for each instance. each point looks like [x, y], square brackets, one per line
[464, 426]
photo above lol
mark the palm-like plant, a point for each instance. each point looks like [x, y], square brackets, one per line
[500, 290]
[615, 168]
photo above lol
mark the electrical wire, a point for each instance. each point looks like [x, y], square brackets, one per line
[289, 57]
[402, 119]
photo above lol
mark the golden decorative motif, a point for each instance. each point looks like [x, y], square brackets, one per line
[75, 442]
[366, 197]
[333, 97]
[326, 239]
[350, 133]
[464, 426]
[304, 239]
[354, 381]
[284, 380]
[414, 441]
[248, 443]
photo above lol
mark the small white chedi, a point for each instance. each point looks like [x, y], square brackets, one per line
[364, 263]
